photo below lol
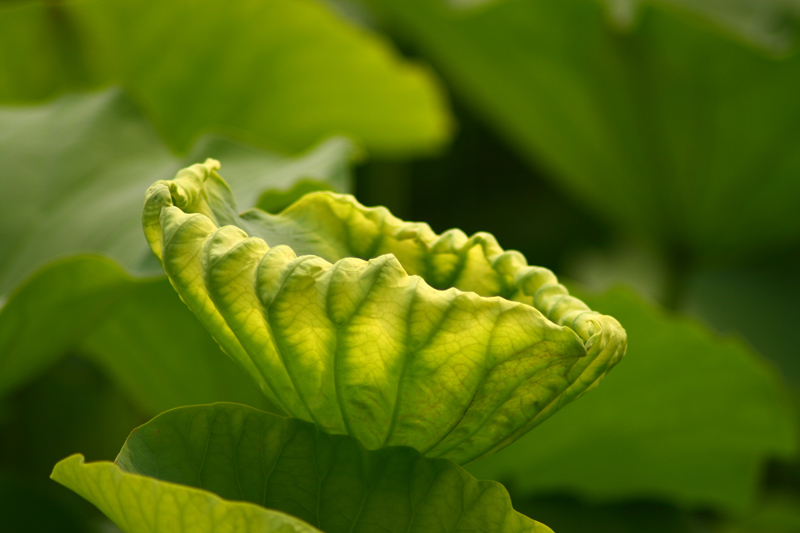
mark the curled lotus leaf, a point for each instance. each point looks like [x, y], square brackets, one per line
[369, 326]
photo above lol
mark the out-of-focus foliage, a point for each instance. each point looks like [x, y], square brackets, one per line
[79, 167]
[687, 418]
[271, 72]
[571, 515]
[770, 287]
[778, 513]
[674, 133]
[772, 24]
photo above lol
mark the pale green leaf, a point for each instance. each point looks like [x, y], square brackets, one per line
[444, 343]
[688, 418]
[331, 482]
[141, 505]
[271, 72]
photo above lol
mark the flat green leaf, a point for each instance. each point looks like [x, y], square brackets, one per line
[444, 343]
[331, 482]
[689, 418]
[274, 73]
[75, 170]
[675, 133]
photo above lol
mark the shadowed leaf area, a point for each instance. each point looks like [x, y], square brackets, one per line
[177, 473]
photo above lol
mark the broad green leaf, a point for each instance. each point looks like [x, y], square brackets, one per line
[674, 133]
[74, 173]
[331, 482]
[689, 418]
[270, 72]
[444, 343]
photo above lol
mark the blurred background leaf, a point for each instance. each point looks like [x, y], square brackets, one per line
[273, 73]
[676, 134]
[81, 165]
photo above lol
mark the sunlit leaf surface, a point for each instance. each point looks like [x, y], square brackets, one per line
[443, 343]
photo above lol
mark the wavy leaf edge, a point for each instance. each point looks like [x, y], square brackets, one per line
[198, 206]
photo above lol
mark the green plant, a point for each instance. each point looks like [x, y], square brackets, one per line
[424, 351]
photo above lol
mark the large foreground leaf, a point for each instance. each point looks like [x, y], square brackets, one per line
[688, 418]
[444, 343]
[74, 171]
[671, 131]
[281, 73]
[331, 482]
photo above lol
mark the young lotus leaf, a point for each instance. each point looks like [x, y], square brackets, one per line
[174, 471]
[374, 327]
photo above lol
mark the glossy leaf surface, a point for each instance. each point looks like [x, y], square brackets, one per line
[233, 452]
[673, 131]
[444, 343]
[273, 73]
[688, 418]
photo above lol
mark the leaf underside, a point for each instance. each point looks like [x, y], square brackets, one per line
[234, 452]
[446, 344]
